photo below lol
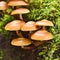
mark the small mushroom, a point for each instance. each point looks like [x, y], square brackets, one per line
[20, 11]
[17, 3]
[29, 26]
[41, 35]
[3, 6]
[21, 42]
[44, 23]
[14, 26]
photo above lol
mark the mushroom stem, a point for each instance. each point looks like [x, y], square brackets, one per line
[19, 33]
[30, 33]
[18, 7]
[4, 11]
[27, 48]
[28, 1]
[44, 28]
[21, 16]
[37, 43]
[13, 7]
[22, 46]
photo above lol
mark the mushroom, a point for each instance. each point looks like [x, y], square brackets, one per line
[17, 3]
[41, 35]
[29, 26]
[3, 6]
[20, 11]
[14, 26]
[44, 23]
[21, 42]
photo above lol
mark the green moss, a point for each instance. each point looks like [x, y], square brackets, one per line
[40, 9]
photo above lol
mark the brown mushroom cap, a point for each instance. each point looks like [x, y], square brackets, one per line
[20, 11]
[14, 25]
[42, 35]
[3, 5]
[29, 26]
[44, 23]
[21, 42]
[17, 3]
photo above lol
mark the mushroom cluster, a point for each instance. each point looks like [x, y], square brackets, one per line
[37, 30]
[42, 34]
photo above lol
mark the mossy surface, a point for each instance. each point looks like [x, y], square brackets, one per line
[50, 50]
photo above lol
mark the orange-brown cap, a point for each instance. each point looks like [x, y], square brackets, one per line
[17, 3]
[42, 35]
[3, 5]
[21, 42]
[20, 11]
[13, 26]
[44, 23]
[29, 26]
